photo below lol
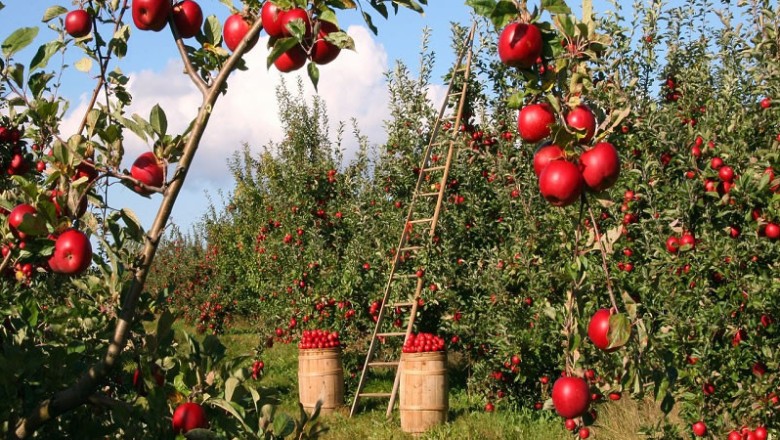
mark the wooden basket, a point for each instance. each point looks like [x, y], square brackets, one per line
[424, 398]
[320, 376]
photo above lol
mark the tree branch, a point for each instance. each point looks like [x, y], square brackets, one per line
[79, 393]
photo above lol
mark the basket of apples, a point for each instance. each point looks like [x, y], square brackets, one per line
[320, 370]
[423, 393]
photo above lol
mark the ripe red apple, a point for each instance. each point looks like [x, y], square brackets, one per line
[520, 45]
[600, 166]
[760, 433]
[148, 170]
[570, 424]
[534, 121]
[188, 18]
[735, 435]
[584, 433]
[687, 242]
[581, 118]
[716, 163]
[295, 14]
[561, 183]
[235, 29]
[17, 216]
[189, 416]
[291, 60]
[151, 15]
[546, 154]
[489, 407]
[72, 253]
[271, 15]
[598, 330]
[772, 231]
[726, 174]
[699, 429]
[78, 23]
[323, 51]
[570, 396]
[766, 102]
[672, 244]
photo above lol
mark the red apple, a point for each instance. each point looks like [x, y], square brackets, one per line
[148, 170]
[520, 45]
[78, 23]
[295, 14]
[271, 16]
[546, 154]
[772, 231]
[151, 15]
[188, 18]
[581, 118]
[72, 253]
[760, 433]
[291, 60]
[687, 242]
[570, 396]
[672, 244]
[699, 429]
[600, 166]
[235, 29]
[534, 121]
[29, 215]
[584, 433]
[323, 51]
[561, 183]
[598, 330]
[734, 435]
[189, 416]
[726, 174]
[489, 407]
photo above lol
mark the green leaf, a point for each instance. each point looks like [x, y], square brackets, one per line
[212, 30]
[224, 404]
[281, 46]
[283, 426]
[619, 330]
[230, 387]
[341, 39]
[44, 54]
[504, 13]
[369, 22]
[18, 40]
[555, 7]
[314, 74]
[164, 324]
[38, 82]
[297, 29]
[133, 224]
[200, 434]
[482, 7]
[158, 120]
[53, 12]
[84, 65]
[381, 8]
[16, 72]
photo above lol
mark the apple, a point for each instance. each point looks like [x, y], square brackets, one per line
[584, 433]
[489, 407]
[581, 118]
[189, 416]
[687, 241]
[672, 244]
[271, 15]
[766, 102]
[772, 231]
[561, 183]
[21, 213]
[520, 45]
[78, 23]
[72, 253]
[570, 424]
[291, 60]
[295, 14]
[570, 396]
[323, 51]
[151, 15]
[86, 168]
[760, 433]
[726, 174]
[600, 166]
[546, 154]
[148, 170]
[716, 163]
[188, 18]
[598, 330]
[235, 29]
[699, 429]
[534, 121]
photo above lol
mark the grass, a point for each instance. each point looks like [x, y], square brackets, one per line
[616, 420]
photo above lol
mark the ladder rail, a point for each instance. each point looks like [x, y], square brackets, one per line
[409, 222]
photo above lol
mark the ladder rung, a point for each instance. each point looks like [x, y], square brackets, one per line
[436, 168]
[429, 194]
[422, 220]
[391, 334]
[374, 395]
[411, 248]
[384, 364]
[404, 276]
[401, 304]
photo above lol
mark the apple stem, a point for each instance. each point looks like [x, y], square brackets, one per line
[604, 264]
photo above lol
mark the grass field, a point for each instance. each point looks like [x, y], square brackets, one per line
[617, 420]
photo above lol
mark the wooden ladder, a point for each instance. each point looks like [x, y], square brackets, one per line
[419, 214]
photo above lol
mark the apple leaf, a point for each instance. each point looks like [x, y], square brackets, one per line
[84, 65]
[482, 7]
[341, 40]
[18, 40]
[314, 74]
[158, 120]
[297, 29]
[343, 4]
[619, 330]
[555, 6]
[44, 54]
[369, 22]
[16, 72]
[283, 426]
[504, 13]
[53, 12]
[281, 46]
[381, 8]
[200, 434]
[329, 16]
[230, 388]
[212, 30]
[33, 224]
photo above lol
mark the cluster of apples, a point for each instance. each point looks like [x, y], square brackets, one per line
[318, 338]
[423, 343]
[152, 15]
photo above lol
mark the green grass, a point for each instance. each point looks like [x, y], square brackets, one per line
[617, 420]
